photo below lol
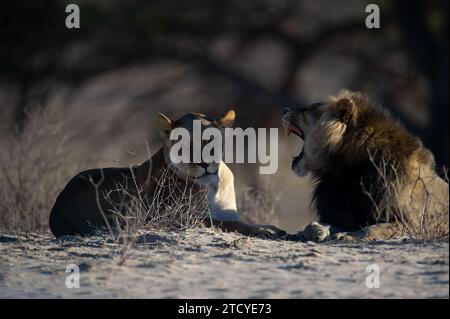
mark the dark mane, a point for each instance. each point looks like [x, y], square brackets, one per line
[373, 140]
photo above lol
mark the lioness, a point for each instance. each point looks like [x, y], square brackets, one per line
[81, 207]
[373, 179]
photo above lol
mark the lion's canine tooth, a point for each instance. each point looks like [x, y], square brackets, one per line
[287, 128]
[289, 131]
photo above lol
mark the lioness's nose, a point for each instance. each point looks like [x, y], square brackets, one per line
[286, 110]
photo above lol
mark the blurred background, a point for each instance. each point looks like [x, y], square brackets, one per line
[76, 98]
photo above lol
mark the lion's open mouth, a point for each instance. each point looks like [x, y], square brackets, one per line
[290, 128]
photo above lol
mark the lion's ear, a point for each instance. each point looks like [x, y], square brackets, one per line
[344, 109]
[227, 119]
[164, 125]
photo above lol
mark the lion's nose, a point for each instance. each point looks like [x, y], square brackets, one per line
[286, 110]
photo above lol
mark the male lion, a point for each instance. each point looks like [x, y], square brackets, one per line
[373, 180]
[81, 207]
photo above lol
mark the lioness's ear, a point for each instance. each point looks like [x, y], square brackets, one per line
[164, 124]
[344, 109]
[227, 119]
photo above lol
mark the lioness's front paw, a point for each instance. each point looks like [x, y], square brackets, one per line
[315, 232]
[268, 232]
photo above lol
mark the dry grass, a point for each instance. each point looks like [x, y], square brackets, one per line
[163, 210]
[414, 210]
[171, 206]
[34, 166]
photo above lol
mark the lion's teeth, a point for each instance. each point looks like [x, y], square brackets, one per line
[287, 128]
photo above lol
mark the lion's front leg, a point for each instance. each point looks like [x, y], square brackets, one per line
[380, 231]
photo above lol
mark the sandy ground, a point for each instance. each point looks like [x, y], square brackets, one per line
[205, 263]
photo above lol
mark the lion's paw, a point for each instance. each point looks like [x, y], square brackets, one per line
[315, 232]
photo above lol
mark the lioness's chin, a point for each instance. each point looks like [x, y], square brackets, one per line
[207, 180]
